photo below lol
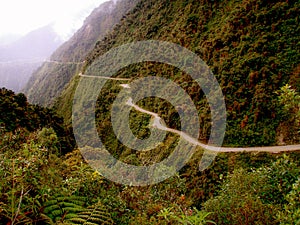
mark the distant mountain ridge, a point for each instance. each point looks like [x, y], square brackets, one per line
[36, 45]
[48, 82]
[96, 23]
[20, 58]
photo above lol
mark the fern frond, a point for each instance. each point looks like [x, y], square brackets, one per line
[57, 212]
[78, 220]
[64, 207]
[93, 215]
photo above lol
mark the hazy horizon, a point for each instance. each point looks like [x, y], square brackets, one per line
[33, 14]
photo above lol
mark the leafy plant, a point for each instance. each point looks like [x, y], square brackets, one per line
[93, 215]
[61, 208]
[255, 197]
[291, 210]
[289, 101]
[187, 217]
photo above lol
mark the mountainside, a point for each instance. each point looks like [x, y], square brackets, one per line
[20, 117]
[252, 47]
[14, 75]
[19, 59]
[51, 78]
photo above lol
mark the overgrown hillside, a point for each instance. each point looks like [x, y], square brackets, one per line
[252, 48]
[18, 117]
[41, 184]
[51, 78]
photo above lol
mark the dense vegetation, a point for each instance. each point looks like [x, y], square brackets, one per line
[252, 48]
[20, 117]
[251, 55]
[40, 184]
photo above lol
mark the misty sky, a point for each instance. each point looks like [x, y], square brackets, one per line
[23, 16]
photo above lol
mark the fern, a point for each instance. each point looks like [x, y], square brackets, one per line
[64, 207]
[93, 215]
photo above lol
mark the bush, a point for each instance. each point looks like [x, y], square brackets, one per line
[256, 197]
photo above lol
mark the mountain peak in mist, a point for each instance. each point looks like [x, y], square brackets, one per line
[20, 58]
[37, 44]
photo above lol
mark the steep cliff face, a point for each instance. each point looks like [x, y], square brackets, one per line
[51, 78]
[95, 26]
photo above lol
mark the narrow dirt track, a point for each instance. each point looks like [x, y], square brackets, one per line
[107, 78]
[63, 63]
[157, 124]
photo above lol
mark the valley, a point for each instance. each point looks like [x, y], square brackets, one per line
[152, 144]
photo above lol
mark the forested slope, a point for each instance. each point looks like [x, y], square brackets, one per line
[252, 47]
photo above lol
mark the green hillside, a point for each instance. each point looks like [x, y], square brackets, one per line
[251, 55]
[252, 48]
[43, 184]
[20, 117]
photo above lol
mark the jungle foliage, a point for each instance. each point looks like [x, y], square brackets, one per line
[252, 48]
[40, 185]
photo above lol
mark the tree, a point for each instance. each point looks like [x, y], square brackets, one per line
[289, 101]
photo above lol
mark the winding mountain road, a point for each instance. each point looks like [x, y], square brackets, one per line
[157, 124]
[107, 78]
[31, 61]
[63, 63]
